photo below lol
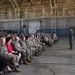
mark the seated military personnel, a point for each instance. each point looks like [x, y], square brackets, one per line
[48, 40]
[36, 44]
[10, 48]
[55, 37]
[24, 46]
[3, 65]
[8, 56]
[19, 49]
[31, 45]
[39, 41]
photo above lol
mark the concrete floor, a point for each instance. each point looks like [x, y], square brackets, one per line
[58, 60]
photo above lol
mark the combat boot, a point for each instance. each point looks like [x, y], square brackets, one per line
[28, 60]
[16, 69]
[31, 57]
[25, 62]
[39, 53]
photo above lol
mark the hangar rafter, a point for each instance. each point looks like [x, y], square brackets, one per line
[11, 9]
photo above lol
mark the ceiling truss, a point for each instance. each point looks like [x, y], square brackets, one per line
[11, 9]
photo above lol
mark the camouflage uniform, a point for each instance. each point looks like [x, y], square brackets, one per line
[8, 56]
[18, 48]
[31, 46]
[41, 44]
[24, 46]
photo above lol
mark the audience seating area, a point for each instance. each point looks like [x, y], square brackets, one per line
[16, 49]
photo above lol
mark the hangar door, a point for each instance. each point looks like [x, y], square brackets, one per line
[34, 26]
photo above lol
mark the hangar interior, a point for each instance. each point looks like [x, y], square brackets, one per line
[55, 56]
[43, 16]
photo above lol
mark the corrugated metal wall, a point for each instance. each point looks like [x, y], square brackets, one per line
[34, 26]
[59, 24]
[47, 25]
[14, 26]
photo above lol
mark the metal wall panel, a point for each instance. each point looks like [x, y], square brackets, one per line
[72, 21]
[34, 26]
[53, 23]
[1, 25]
[43, 23]
[47, 25]
[10, 26]
[26, 29]
[61, 22]
[16, 24]
[5, 25]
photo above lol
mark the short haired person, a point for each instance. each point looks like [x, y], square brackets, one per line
[71, 38]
